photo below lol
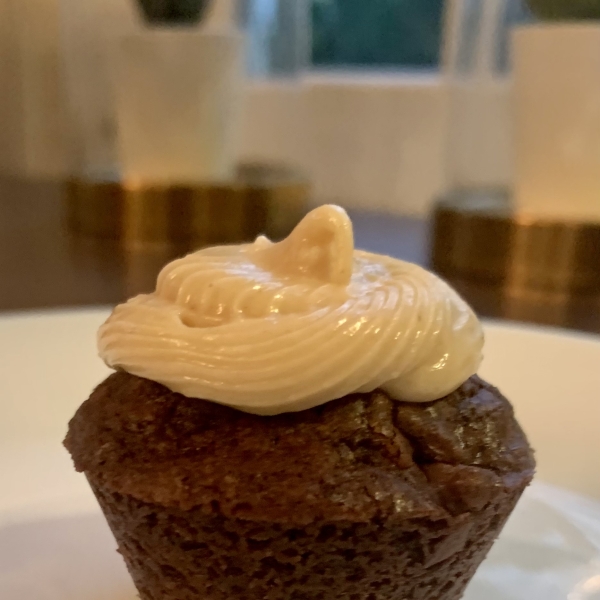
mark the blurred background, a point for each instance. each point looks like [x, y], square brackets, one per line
[460, 134]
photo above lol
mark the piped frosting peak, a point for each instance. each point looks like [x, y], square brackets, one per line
[280, 327]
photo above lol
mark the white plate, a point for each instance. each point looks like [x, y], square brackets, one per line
[54, 544]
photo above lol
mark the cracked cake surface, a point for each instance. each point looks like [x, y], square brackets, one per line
[356, 458]
[365, 496]
[372, 498]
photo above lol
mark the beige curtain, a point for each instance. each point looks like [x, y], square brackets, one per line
[34, 128]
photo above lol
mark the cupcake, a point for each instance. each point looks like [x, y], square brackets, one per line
[299, 420]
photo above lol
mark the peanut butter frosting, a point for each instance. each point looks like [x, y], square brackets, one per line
[269, 328]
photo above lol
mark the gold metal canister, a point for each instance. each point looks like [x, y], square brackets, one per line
[517, 266]
[261, 199]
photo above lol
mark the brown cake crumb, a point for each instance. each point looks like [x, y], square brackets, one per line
[363, 498]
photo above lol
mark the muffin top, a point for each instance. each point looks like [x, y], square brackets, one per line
[358, 458]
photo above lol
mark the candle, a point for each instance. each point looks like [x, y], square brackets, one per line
[557, 111]
[177, 97]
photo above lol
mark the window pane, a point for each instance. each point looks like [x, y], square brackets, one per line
[400, 33]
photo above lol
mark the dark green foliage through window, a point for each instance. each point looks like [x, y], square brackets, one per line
[385, 33]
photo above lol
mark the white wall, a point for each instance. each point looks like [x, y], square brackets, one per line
[375, 142]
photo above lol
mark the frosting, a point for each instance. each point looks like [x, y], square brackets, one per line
[280, 327]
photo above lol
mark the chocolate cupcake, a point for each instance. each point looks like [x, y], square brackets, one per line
[299, 420]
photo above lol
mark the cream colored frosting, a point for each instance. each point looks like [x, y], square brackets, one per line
[280, 327]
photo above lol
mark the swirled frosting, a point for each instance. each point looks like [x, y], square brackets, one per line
[280, 327]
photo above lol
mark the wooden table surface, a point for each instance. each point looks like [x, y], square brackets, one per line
[42, 266]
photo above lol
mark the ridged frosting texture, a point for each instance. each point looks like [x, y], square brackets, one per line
[280, 327]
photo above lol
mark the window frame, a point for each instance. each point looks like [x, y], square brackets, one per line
[394, 141]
